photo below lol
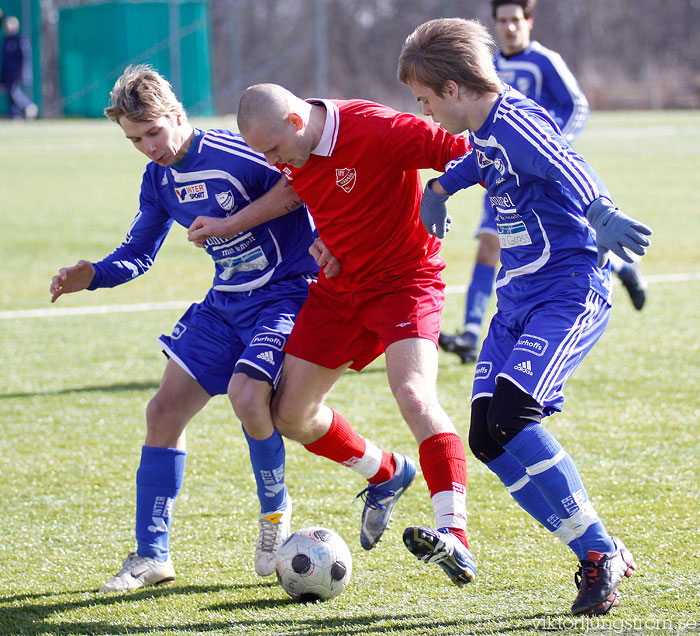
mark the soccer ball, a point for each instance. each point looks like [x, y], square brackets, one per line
[314, 564]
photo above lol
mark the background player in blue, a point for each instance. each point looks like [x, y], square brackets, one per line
[543, 76]
[232, 342]
[16, 69]
[557, 224]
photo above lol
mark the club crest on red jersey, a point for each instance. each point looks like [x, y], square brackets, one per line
[345, 178]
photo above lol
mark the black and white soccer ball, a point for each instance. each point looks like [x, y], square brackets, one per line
[314, 564]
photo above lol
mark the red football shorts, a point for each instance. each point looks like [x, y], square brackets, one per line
[334, 328]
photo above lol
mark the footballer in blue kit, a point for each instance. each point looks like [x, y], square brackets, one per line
[542, 75]
[230, 343]
[261, 276]
[556, 225]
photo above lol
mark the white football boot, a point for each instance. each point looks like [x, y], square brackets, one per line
[139, 572]
[274, 530]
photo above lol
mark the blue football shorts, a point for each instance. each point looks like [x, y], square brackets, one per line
[538, 344]
[487, 224]
[248, 329]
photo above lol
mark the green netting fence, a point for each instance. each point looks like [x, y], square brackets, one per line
[96, 42]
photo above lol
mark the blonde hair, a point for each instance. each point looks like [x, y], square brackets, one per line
[450, 49]
[142, 94]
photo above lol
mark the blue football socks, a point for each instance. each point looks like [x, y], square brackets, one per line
[554, 473]
[478, 296]
[158, 482]
[267, 458]
[527, 495]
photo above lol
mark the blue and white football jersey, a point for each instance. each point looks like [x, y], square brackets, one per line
[540, 190]
[219, 176]
[542, 75]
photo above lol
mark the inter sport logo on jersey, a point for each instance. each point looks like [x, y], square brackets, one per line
[194, 192]
[345, 178]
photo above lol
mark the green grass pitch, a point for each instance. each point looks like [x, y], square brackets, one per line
[73, 389]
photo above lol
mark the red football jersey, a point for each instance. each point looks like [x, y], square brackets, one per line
[363, 189]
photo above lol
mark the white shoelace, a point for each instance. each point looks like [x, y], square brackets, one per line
[269, 535]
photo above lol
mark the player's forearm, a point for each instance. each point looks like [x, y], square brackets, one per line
[119, 267]
[278, 201]
[436, 186]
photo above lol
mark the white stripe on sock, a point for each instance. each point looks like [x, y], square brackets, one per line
[545, 464]
[521, 483]
[450, 509]
[564, 534]
[582, 520]
[367, 465]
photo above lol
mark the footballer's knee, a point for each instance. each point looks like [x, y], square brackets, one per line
[510, 411]
[159, 411]
[164, 421]
[287, 416]
[300, 420]
[250, 399]
[412, 402]
[422, 412]
[481, 444]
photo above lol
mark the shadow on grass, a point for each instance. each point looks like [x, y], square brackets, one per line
[33, 613]
[116, 388]
[37, 612]
[130, 386]
[107, 388]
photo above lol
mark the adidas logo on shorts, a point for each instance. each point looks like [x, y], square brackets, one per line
[525, 367]
[266, 356]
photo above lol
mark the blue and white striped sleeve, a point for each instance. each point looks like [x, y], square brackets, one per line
[143, 240]
[537, 149]
[460, 173]
[563, 97]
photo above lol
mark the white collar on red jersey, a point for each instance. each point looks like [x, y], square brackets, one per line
[329, 136]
